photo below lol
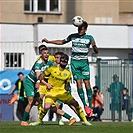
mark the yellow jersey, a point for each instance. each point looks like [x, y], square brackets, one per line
[57, 78]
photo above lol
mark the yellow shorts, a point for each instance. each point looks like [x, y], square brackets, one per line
[64, 97]
[43, 89]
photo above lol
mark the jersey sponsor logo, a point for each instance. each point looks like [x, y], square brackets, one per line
[79, 57]
[80, 50]
[85, 73]
[80, 41]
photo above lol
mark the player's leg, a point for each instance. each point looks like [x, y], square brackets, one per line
[27, 111]
[86, 79]
[77, 75]
[88, 91]
[48, 101]
[51, 114]
[71, 119]
[71, 102]
[79, 111]
[42, 92]
[82, 96]
[41, 112]
[50, 104]
[52, 100]
[59, 105]
[40, 106]
[29, 89]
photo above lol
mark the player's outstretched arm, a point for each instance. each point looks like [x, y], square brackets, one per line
[57, 42]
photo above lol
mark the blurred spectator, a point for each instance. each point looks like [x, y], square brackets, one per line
[97, 103]
[115, 90]
[20, 97]
[126, 104]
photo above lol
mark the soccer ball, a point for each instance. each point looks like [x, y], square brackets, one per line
[77, 21]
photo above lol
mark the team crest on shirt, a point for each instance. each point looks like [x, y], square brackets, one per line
[65, 74]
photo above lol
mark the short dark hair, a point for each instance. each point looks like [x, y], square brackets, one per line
[95, 87]
[64, 56]
[58, 53]
[20, 73]
[42, 47]
[84, 24]
[125, 89]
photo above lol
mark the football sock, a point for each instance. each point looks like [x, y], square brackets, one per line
[89, 95]
[60, 102]
[67, 116]
[81, 95]
[80, 113]
[40, 107]
[59, 116]
[41, 115]
[25, 116]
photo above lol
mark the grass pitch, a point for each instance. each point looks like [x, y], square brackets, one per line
[53, 127]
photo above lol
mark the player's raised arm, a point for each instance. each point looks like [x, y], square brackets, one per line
[94, 47]
[57, 42]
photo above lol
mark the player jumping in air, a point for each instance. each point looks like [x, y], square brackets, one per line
[81, 43]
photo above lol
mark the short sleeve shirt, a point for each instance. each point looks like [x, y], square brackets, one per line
[80, 45]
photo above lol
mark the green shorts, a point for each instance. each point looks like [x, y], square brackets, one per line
[80, 69]
[30, 89]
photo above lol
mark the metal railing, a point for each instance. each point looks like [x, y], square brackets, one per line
[112, 76]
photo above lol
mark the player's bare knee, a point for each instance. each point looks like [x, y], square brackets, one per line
[46, 106]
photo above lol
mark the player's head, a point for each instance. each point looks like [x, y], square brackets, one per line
[83, 28]
[21, 76]
[42, 47]
[57, 57]
[44, 52]
[64, 60]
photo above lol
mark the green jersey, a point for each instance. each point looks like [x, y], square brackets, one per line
[38, 66]
[80, 45]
